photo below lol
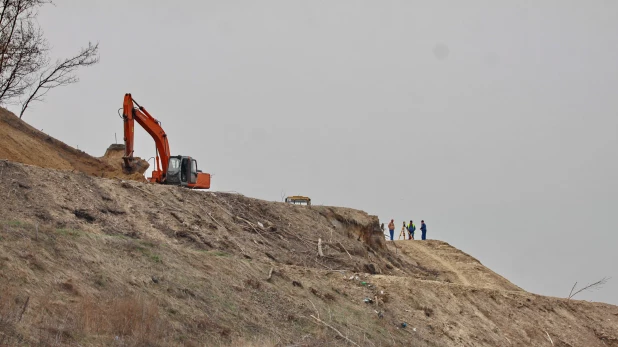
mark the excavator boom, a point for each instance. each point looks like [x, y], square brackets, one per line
[177, 170]
[132, 114]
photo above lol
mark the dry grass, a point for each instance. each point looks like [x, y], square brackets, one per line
[135, 318]
[12, 308]
[128, 321]
[147, 278]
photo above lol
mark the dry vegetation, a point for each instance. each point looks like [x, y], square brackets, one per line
[93, 261]
[87, 261]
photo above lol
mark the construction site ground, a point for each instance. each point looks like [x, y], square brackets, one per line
[91, 261]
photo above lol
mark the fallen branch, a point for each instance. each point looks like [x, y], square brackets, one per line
[549, 337]
[344, 249]
[254, 228]
[343, 271]
[214, 220]
[296, 236]
[320, 247]
[257, 232]
[315, 308]
[326, 267]
[219, 224]
[221, 207]
[21, 314]
[335, 330]
[270, 274]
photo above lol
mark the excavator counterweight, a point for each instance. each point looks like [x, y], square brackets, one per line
[175, 170]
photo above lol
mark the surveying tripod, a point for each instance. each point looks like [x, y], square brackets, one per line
[403, 232]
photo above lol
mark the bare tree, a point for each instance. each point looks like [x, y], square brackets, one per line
[61, 74]
[26, 72]
[22, 47]
[595, 285]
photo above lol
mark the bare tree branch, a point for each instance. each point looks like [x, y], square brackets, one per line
[572, 289]
[25, 66]
[595, 285]
[61, 74]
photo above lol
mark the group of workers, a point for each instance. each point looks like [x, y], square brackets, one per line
[410, 228]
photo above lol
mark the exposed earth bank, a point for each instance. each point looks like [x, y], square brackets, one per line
[90, 256]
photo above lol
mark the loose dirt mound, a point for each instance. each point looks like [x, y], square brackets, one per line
[89, 261]
[22, 143]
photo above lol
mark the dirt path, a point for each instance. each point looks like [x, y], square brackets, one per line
[455, 265]
[443, 262]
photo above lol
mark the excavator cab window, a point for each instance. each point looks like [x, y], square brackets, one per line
[184, 170]
[193, 171]
[174, 171]
[174, 164]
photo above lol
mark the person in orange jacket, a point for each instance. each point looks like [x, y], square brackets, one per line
[391, 228]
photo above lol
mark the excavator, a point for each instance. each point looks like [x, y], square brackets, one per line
[176, 170]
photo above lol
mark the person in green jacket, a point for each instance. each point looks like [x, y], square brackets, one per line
[411, 229]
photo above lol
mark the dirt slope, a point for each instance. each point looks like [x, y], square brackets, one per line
[22, 143]
[89, 261]
[453, 265]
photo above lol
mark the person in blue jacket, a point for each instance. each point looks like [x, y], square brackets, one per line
[423, 230]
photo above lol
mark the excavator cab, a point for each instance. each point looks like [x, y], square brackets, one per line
[182, 171]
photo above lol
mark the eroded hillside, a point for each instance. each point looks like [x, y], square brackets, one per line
[23, 143]
[90, 261]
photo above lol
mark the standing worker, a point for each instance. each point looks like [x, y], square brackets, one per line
[411, 229]
[423, 229]
[391, 228]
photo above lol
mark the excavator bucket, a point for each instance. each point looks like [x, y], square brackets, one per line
[114, 155]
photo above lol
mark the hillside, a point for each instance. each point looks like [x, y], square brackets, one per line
[22, 143]
[90, 261]
[90, 256]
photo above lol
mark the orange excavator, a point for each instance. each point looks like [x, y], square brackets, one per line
[174, 170]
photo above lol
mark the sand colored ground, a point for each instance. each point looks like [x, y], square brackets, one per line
[22, 143]
[91, 261]
[88, 259]
[453, 265]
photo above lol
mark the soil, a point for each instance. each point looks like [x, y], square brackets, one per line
[91, 261]
[22, 143]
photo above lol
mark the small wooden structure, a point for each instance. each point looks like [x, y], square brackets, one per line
[298, 199]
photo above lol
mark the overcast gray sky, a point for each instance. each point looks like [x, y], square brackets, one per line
[495, 121]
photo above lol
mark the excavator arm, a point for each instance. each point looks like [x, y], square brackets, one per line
[130, 115]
